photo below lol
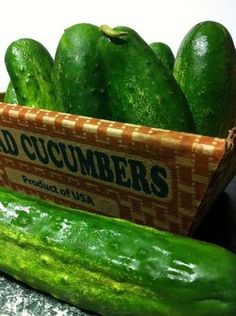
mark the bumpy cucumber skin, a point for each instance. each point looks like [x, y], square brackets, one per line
[10, 95]
[112, 266]
[141, 89]
[164, 53]
[30, 67]
[79, 73]
[205, 68]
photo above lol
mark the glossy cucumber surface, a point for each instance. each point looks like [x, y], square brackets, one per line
[10, 95]
[205, 68]
[141, 89]
[112, 266]
[31, 70]
[79, 72]
[164, 53]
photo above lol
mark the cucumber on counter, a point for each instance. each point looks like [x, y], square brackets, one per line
[31, 70]
[112, 266]
[205, 68]
[79, 72]
[164, 53]
[141, 89]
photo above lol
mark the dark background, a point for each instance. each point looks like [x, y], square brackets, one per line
[219, 225]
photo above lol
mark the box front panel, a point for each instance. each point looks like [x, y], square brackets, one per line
[150, 176]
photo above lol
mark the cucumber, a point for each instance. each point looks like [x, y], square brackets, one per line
[79, 72]
[141, 89]
[164, 53]
[30, 67]
[205, 68]
[10, 95]
[112, 266]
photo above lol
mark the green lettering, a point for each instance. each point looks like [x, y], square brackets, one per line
[72, 166]
[11, 146]
[89, 200]
[104, 169]
[87, 166]
[40, 150]
[159, 186]
[27, 146]
[138, 172]
[2, 147]
[82, 198]
[53, 149]
[120, 165]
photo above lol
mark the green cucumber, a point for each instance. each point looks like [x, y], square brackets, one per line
[141, 89]
[205, 68]
[30, 67]
[10, 95]
[79, 72]
[164, 53]
[112, 266]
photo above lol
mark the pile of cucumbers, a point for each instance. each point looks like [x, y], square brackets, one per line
[114, 74]
[107, 265]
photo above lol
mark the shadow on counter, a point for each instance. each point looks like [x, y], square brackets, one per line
[219, 225]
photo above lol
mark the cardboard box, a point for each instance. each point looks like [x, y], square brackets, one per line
[161, 178]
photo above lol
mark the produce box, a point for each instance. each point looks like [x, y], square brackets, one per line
[160, 178]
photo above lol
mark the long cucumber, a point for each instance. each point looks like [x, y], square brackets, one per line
[112, 266]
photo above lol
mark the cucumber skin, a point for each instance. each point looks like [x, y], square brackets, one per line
[164, 53]
[30, 67]
[205, 68]
[10, 95]
[141, 89]
[112, 266]
[79, 72]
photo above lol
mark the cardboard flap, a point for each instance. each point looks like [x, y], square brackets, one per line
[150, 176]
[221, 177]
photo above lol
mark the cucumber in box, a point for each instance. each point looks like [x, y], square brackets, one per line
[31, 70]
[141, 89]
[79, 72]
[205, 68]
